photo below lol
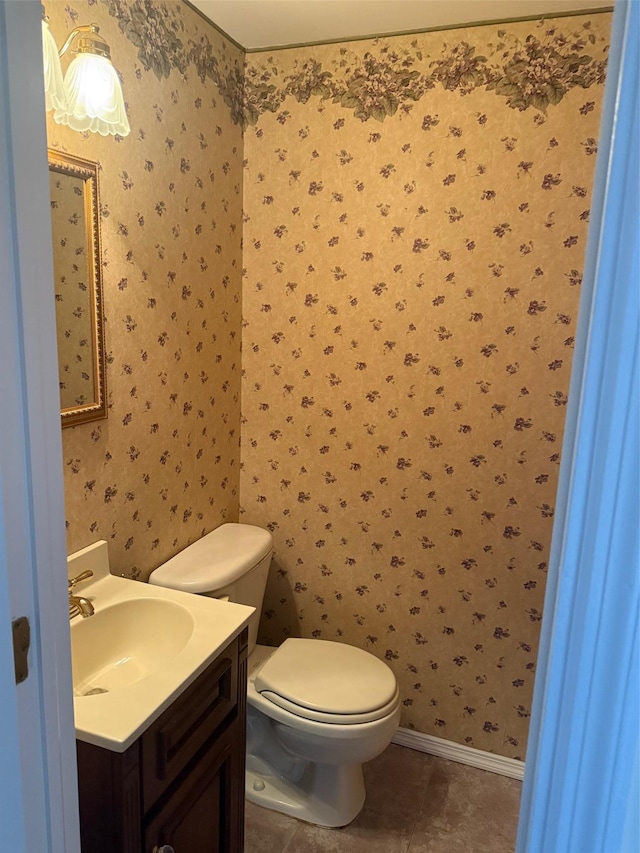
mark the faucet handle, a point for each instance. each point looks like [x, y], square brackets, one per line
[83, 576]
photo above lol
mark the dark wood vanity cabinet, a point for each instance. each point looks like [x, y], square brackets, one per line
[180, 786]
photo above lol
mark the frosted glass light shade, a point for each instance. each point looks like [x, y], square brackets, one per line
[54, 93]
[94, 97]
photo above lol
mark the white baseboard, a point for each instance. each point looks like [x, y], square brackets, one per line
[460, 753]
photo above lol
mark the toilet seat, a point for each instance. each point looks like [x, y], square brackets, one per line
[300, 677]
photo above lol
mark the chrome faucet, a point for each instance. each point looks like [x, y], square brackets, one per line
[77, 604]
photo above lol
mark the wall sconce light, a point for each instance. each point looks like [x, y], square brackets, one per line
[90, 96]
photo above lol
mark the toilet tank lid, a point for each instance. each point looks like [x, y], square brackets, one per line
[216, 560]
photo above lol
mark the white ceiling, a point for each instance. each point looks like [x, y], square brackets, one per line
[270, 23]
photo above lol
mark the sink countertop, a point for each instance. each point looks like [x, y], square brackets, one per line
[114, 720]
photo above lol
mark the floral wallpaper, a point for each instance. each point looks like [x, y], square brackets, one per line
[340, 287]
[416, 211]
[163, 468]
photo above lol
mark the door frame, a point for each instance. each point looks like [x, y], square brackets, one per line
[38, 784]
[581, 780]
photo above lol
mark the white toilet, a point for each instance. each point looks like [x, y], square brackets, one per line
[316, 710]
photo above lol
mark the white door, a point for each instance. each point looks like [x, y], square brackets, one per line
[38, 788]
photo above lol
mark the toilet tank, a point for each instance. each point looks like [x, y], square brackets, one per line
[232, 562]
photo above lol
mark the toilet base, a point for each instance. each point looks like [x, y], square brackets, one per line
[326, 794]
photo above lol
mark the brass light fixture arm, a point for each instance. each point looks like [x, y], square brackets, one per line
[85, 28]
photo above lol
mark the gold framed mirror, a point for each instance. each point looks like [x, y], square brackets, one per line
[75, 227]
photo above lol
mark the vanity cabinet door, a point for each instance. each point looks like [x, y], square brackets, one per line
[199, 816]
[182, 731]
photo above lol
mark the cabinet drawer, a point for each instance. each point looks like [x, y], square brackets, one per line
[177, 736]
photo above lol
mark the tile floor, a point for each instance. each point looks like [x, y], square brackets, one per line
[416, 803]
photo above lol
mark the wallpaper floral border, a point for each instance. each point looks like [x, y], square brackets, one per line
[535, 72]
[158, 31]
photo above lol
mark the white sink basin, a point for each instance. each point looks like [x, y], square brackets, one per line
[139, 650]
[125, 642]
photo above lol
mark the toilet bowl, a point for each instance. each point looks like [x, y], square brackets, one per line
[316, 709]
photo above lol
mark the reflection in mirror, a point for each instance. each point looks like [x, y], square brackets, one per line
[78, 287]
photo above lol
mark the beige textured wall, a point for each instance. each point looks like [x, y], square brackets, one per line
[163, 468]
[416, 212]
